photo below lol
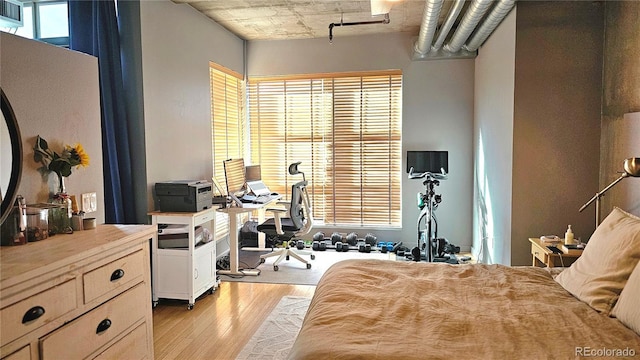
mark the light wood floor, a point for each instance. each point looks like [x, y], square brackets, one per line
[219, 325]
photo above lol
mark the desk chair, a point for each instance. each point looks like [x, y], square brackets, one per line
[297, 224]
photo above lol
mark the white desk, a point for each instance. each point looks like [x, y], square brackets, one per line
[234, 212]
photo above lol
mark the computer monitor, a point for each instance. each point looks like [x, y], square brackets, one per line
[235, 177]
[428, 161]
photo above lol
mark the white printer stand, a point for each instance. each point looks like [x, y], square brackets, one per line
[183, 274]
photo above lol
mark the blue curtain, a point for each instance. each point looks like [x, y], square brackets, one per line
[93, 29]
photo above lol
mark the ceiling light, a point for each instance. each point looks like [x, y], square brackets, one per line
[381, 7]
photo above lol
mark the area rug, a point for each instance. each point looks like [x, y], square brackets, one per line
[295, 272]
[276, 335]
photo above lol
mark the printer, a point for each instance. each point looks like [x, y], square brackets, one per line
[184, 195]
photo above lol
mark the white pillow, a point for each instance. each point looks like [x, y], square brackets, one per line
[598, 276]
[627, 309]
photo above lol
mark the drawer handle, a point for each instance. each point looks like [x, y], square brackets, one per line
[32, 314]
[103, 326]
[116, 275]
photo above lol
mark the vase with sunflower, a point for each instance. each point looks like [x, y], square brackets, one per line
[61, 164]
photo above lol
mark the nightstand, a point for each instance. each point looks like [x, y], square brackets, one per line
[541, 254]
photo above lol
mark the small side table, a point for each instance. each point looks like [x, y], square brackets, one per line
[541, 254]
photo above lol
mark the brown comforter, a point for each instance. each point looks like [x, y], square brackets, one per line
[380, 309]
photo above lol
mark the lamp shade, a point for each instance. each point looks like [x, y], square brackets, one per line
[632, 167]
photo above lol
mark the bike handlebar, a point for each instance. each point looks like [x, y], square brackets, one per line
[437, 176]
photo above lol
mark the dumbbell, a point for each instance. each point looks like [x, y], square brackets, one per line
[319, 246]
[319, 236]
[342, 247]
[336, 237]
[396, 247]
[300, 245]
[371, 239]
[364, 248]
[352, 239]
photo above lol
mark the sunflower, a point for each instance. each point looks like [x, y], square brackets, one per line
[61, 163]
[77, 155]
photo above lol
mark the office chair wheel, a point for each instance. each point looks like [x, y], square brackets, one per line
[313, 257]
[275, 267]
[308, 266]
[287, 257]
[262, 260]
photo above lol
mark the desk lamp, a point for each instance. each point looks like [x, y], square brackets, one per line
[631, 168]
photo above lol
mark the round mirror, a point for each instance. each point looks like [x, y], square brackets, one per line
[10, 157]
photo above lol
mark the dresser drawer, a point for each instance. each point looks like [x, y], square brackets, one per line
[538, 253]
[132, 346]
[96, 328]
[31, 313]
[122, 273]
[22, 354]
[203, 218]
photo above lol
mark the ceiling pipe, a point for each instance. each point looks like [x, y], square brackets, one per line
[471, 18]
[428, 27]
[448, 24]
[386, 20]
[494, 18]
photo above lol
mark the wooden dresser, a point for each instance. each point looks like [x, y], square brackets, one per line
[81, 296]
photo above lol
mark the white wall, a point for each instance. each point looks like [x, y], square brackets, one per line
[493, 142]
[54, 93]
[177, 45]
[437, 115]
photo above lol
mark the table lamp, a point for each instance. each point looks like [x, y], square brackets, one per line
[631, 168]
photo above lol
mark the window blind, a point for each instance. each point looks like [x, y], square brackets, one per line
[228, 128]
[346, 131]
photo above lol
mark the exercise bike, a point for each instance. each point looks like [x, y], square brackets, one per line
[429, 245]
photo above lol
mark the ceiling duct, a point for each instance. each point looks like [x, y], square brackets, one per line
[448, 24]
[494, 18]
[428, 29]
[469, 22]
[472, 28]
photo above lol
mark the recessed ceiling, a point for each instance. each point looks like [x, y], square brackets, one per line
[304, 19]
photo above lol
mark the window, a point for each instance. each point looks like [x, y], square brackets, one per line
[46, 21]
[346, 131]
[227, 125]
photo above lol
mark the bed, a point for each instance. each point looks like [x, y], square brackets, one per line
[382, 309]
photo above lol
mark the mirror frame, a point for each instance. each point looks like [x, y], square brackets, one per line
[16, 156]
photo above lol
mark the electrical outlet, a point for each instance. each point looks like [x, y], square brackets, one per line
[89, 202]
